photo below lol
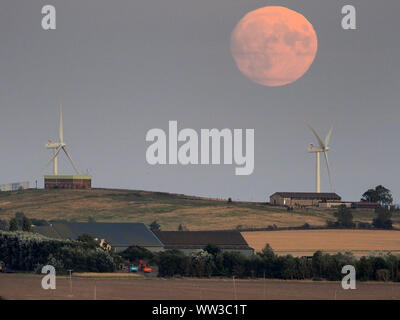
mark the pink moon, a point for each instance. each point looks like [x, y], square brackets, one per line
[274, 46]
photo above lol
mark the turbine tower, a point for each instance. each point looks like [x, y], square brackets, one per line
[57, 147]
[323, 147]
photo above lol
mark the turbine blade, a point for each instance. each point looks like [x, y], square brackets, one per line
[70, 159]
[321, 143]
[61, 126]
[52, 158]
[328, 136]
[329, 170]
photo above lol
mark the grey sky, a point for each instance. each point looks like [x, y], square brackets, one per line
[123, 67]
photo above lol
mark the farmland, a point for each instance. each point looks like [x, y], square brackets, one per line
[115, 205]
[24, 286]
[306, 242]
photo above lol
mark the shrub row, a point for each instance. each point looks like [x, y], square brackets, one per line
[268, 264]
[24, 251]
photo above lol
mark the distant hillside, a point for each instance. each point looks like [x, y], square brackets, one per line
[114, 205]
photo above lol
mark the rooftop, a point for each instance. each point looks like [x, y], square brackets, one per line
[72, 176]
[116, 234]
[201, 238]
[309, 195]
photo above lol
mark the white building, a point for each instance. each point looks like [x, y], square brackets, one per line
[14, 186]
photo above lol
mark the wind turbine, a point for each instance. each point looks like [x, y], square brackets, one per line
[57, 147]
[323, 147]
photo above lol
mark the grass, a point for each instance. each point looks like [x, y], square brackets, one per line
[115, 205]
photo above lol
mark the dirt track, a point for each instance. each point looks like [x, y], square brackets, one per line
[15, 286]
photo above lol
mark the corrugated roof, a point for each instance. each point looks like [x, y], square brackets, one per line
[201, 238]
[116, 234]
[73, 176]
[47, 231]
[309, 195]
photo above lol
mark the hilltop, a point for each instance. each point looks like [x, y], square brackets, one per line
[116, 205]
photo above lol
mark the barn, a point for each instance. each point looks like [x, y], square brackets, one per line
[194, 241]
[67, 182]
[119, 236]
[300, 199]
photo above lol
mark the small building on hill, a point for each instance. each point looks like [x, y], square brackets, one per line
[67, 182]
[14, 186]
[119, 236]
[300, 199]
[193, 241]
[365, 205]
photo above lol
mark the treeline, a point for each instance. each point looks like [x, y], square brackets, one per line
[24, 251]
[213, 262]
[344, 219]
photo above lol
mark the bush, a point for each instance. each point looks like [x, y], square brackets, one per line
[202, 264]
[155, 226]
[13, 225]
[383, 219]
[364, 225]
[212, 249]
[344, 218]
[135, 253]
[172, 262]
[88, 239]
[28, 252]
[26, 224]
[212, 261]
[382, 275]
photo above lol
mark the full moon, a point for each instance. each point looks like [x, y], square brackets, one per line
[274, 46]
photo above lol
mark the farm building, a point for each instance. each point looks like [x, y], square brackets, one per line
[14, 186]
[299, 199]
[67, 182]
[119, 236]
[193, 241]
[365, 205]
[334, 204]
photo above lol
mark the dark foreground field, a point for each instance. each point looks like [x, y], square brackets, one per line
[14, 286]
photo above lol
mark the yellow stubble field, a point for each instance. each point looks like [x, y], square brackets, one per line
[306, 242]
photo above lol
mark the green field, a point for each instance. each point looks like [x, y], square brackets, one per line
[114, 205]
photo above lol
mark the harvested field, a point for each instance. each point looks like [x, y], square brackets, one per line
[108, 275]
[306, 242]
[16, 286]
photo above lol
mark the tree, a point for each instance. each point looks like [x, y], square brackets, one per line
[155, 226]
[383, 219]
[172, 262]
[182, 227]
[26, 224]
[87, 238]
[344, 217]
[91, 219]
[13, 224]
[267, 252]
[136, 253]
[380, 194]
[212, 249]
